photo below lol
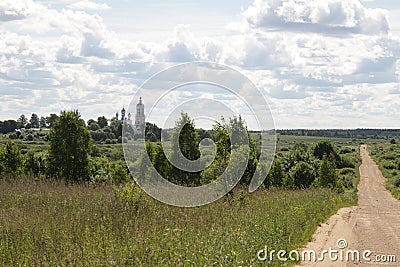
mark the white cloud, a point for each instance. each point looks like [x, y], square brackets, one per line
[329, 58]
[16, 9]
[89, 5]
[328, 17]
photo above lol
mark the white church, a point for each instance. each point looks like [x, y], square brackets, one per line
[140, 118]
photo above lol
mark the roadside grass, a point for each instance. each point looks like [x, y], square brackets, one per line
[387, 156]
[53, 224]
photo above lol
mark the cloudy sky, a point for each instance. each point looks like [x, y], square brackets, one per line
[320, 63]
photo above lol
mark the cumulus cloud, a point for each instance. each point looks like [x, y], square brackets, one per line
[325, 58]
[89, 5]
[16, 9]
[183, 47]
[328, 17]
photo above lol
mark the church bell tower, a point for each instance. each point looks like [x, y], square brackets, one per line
[140, 117]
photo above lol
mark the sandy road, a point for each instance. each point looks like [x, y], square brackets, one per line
[372, 225]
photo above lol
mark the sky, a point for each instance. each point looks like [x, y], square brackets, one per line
[319, 63]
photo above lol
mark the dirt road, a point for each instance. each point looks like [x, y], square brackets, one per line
[372, 225]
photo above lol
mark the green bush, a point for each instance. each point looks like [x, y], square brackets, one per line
[396, 182]
[11, 158]
[29, 137]
[34, 163]
[389, 165]
[347, 171]
[120, 173]
[345, 150]
[131, 194]
[303, 175]
[108, 142]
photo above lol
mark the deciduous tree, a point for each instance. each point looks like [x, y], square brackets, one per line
[70, 145]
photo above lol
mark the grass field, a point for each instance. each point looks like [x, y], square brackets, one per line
[51, 224]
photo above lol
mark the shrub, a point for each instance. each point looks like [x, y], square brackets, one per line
[108, 141]
[389, 156]
[345, 150]
[346, 171]
[389, 165]
[328, 176]
[34, 163]
[99, 170]
[396, 182]
[13, 136]
[120, 173]
[347, 162]
[10, 158]
[303, 175]
[325, 147]
[131, 194]
[276, 173]
[29, 137]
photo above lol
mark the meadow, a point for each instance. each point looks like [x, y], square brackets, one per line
[386, 155]
[53, 223]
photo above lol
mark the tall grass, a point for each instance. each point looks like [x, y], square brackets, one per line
[386, 155]
[44, 223]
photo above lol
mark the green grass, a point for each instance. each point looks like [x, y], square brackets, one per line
[53, 224]
[387, 156]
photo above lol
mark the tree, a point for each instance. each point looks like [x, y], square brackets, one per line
[43, 122]
[153, 132]
[303, 175]
[10, 158]
[186, 140]
[116, 127]
[33, 164]
[94, 126]
[236, 131]
[325, 147]
[328, 176]
[34, 121]
[241, 136]
[22, 121]
[70, 145]
[102, 121]
[51, 119]
[160, 163]
[276, 174]
[9, 126]
[204, 134]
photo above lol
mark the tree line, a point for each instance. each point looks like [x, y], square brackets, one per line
[34, 121]
[67, 157]
[70, 156]
[302, 167]
[344, 133]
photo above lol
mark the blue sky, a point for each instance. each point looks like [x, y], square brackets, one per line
[320, 64]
